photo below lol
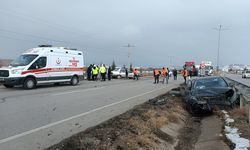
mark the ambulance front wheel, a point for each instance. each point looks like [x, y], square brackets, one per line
[74, 80]
[29, 83]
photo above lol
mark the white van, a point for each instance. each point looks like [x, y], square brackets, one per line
[42, 65]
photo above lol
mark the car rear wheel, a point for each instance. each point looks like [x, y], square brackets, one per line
[74, 80]
[29, 83]
[8, 86]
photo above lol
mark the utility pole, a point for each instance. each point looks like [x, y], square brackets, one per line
[219, 29]
[170, 60]
[129, 53]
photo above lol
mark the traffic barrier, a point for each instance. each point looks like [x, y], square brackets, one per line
[244, 92]
[245, 102]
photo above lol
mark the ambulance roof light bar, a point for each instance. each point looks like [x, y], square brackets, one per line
[67, 48]
[45, 45]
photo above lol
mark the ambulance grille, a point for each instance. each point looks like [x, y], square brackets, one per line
[4, 73]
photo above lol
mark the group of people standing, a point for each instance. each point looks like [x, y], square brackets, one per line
[164, 73]
[188, 73]
[93, 71]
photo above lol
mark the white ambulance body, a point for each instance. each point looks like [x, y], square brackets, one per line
[43, 65]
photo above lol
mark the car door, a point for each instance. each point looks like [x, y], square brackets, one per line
[39, 69]
[123, 72]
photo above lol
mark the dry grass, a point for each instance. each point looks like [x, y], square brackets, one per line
[160, 121]
[241, 121]
[239, 112]
[132, 130]
[173, 117]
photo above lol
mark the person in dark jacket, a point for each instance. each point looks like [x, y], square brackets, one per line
[126, 73]
[175, 74]
[190, 73]
[89, 72]
[168, 73]
[109, 73]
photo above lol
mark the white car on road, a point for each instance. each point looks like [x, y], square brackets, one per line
[246, 74]
[120, 72]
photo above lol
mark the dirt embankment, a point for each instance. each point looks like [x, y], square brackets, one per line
[161, 123]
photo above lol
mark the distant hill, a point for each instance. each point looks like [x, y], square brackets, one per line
[5, 62]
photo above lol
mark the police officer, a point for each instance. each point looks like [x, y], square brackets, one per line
[103, 72]
[95, 72]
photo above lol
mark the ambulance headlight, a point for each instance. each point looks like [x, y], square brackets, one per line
[16, 71]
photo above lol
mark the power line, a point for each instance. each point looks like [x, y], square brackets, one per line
[30, 35]
[33, 19]
[90, 49]
[8, 37]
[41, 21]
[56, 26]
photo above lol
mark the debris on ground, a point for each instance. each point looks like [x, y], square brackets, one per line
[157, 101]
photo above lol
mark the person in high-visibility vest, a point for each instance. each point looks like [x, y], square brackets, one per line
[185, 74]
[156, 75]
[136, 74]
[164, 74]
[103, 72]
[95, 72]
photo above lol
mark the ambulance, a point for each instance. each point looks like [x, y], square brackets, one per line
[44, 65]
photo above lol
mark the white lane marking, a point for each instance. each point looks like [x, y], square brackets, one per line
[77, 91]
[73, 117]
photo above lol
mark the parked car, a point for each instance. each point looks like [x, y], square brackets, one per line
[120, 72]
[203, 94]
[246, 74]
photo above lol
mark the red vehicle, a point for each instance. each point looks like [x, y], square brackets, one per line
[190, 66]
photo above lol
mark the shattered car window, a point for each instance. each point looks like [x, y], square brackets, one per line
[208, 83]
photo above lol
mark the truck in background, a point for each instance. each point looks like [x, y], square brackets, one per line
[190, 66]
[208, 68]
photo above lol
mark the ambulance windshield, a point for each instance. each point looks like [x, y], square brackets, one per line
[23, 60]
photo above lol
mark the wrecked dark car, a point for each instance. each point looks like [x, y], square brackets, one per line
[203, 94]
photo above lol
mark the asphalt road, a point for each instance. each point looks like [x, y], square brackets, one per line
[36, 119]
[238, 78]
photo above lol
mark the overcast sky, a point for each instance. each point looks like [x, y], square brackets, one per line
[162, 31]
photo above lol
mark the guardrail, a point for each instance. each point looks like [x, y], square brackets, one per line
[244, 91]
